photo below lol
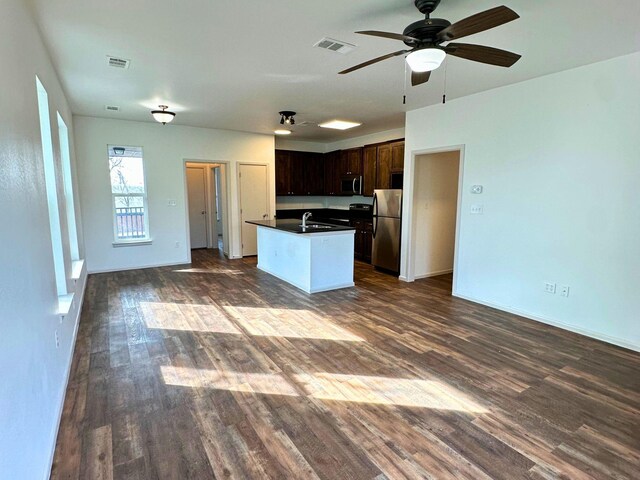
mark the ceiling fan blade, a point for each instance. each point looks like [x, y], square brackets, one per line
[478, 23]
[482, 54]
[394, 36]
[418, 78]
[375, 60]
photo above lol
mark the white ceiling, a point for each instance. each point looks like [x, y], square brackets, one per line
[233, 64]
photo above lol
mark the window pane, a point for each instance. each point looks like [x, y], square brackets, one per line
[126, 169]
[130, 217]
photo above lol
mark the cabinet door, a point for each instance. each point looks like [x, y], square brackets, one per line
[314, 174]
[358, 238]
[367, 241]
[283, 174]
[296, 170]
[369, 160]
[332, 173]
[397, 156]
[383, 174]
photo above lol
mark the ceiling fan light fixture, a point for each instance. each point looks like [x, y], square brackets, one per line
[339, 125]
[426, 59]
[163, 115]
[282, 132]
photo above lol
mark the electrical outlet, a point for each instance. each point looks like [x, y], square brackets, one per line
[550, 287]
[477, 209]
[57, 340]
[564, 290]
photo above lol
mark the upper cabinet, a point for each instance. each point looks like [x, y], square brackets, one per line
[299, 173]
[306, 173]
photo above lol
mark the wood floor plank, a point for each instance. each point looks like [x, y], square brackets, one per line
[217, 370]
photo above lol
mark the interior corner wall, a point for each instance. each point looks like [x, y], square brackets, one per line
[558, 157]
[33, 370]
[435, 203]
[165, 150]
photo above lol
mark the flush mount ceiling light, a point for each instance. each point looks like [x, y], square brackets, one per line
[286, 117]
[163, 115]
[118, 150]
[282, 132]
[425, 60]
[339, 125]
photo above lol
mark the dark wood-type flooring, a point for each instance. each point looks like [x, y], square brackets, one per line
[218, 370]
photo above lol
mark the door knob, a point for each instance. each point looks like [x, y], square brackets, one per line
[266, 215]
[203, 212]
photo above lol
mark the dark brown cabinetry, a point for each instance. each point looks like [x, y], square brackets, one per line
[363, 239]
[332, 173]
[306, 173]
[299, 173]
[369, 158]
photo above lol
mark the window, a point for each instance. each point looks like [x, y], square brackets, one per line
[51, 189]
[129, 194]
[68, 189]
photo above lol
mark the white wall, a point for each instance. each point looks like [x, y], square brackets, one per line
[559, 160]
[166, 148]
[435, 203]
[33, 371]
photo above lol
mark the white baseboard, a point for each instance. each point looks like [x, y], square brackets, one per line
[564, 326]
[433, 274]
[138, 267]
[402, 278]
[68, 373]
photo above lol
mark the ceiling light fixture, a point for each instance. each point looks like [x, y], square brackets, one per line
[118, 150]
[286, 117]
[339, 125]
[426, 59]
[282, 132]
[163, 115]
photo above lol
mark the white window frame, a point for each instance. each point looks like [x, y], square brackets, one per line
[119, 242]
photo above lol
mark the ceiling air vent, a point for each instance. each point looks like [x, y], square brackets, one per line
[118, 62]
[111, 108]
[335, 45]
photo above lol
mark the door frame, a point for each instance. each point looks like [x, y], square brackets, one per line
[226, 224]
[408, 247]
[239, 190]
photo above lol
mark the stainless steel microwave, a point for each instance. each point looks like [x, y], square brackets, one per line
[351, 185]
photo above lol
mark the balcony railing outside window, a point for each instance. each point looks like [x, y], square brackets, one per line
[130, 223]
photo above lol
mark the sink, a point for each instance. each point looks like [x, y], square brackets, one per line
[316, 226]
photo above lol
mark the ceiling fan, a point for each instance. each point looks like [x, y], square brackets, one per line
[425, 37]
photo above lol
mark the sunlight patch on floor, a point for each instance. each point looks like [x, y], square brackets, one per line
[265, 383]
[279, 322]
[387, 391]
[222, 271]
[364, 389]
[186, 317]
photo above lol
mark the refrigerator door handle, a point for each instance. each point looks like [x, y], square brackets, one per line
[375, 214]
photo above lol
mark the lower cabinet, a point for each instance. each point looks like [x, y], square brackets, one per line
[363, 241]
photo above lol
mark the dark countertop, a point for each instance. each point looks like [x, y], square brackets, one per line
[293, 226]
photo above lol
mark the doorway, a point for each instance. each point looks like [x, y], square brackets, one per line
[207, 205]
[434, 213]
[254, 203]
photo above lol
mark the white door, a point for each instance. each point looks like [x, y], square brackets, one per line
[218, 200]
[196, 187]
[254, 204]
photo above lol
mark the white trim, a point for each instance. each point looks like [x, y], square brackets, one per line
[76, 269]
[407, 267]
[67, 376]
[132, 243]
[433, 274]
[65, 302]
[555, 323]
[138, 267]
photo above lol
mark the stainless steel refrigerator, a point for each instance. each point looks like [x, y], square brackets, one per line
[387, 207]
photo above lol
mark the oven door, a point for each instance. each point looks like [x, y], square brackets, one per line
[351, 185]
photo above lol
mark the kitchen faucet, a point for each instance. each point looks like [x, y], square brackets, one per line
[305, 217]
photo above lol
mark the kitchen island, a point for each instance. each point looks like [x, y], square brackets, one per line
[314, 259]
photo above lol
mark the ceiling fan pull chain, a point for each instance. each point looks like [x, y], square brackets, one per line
[444, 94]
[404, 97]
